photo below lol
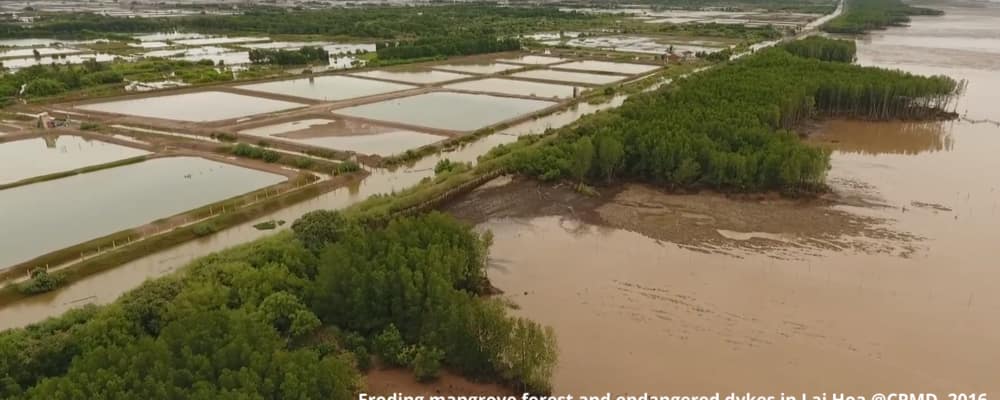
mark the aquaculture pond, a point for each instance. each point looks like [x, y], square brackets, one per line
[447, 110]
[479, 68]
[328, 88]
[344, 134]
[51, 215]
[567, 76]
[418, 76]
[533, 60]
[515, 87]
[606, 66]
[193, 107]
[28, 158]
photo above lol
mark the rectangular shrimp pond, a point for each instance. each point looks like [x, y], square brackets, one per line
[479, 68]
[418, 76]
[28, 158]
[515, 87]
[606, 66]
[344, 134]
[193, 107]
[60, 213]
[566, 76]
[447, 110]
[327, 88]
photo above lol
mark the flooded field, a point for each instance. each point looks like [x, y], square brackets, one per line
[26, 158]
[858, 291]
[342, 134]
[55, 214]
[327, 88]
[478, 68]
[447, 110]
[605, 66]
[567, 76]
[534, 60]
[192, 107]
[522, 88]
[416, 76]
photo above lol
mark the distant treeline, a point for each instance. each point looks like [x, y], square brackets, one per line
[291, 316]
[444, 46]
[302, 56]
[729, 128]
[867, 15]
[368, 22]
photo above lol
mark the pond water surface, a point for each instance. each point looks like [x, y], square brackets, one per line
[415, 76]
[51, 215]
[328, 88]
[350, 135]
[523, 88]
[193, 107]
[447, 110]
[567, 76]
[26, 158]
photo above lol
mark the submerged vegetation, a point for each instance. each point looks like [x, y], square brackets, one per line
[289, 316]
[866, 15]
[730, 128]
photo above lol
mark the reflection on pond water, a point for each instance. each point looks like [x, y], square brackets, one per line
[886, 137]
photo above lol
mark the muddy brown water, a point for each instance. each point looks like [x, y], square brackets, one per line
[889, 286]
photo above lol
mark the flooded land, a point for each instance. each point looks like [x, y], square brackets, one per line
[886, 284]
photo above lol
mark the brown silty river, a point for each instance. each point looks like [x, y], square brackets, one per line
[887, 285]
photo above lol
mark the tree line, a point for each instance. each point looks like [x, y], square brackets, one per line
[293, 316]
[367, 22]
[303, 56]
[444, 46]
[730, 128]
[867, 15]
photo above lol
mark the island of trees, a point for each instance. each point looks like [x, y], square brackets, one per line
[730, 128]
